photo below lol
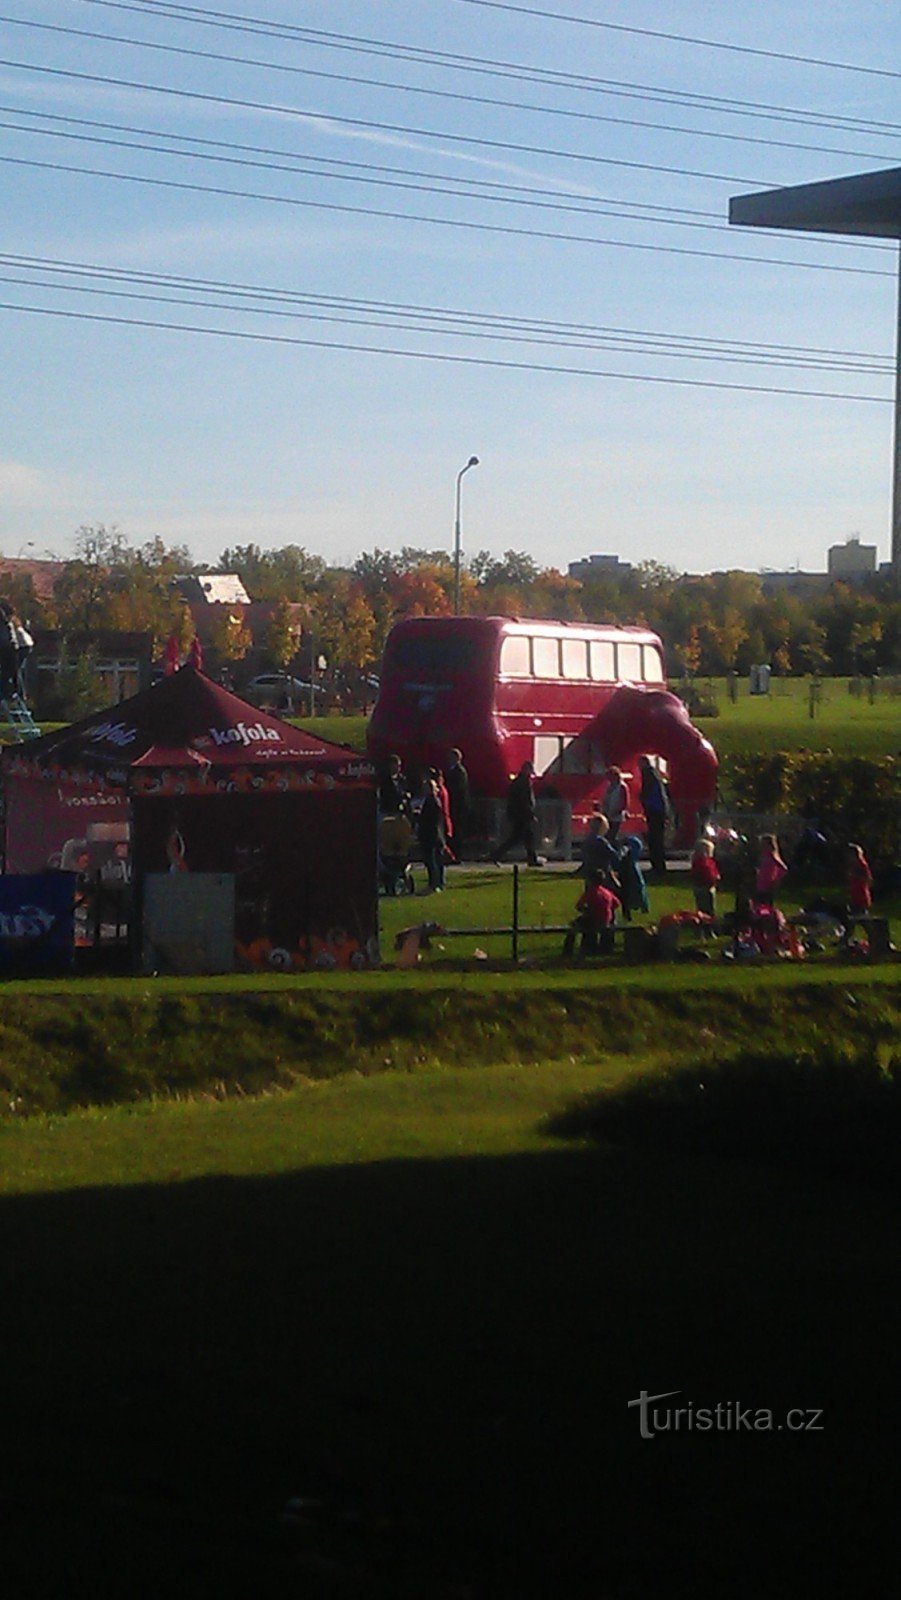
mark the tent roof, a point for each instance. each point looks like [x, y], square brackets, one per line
[185, 721]
[868, 204]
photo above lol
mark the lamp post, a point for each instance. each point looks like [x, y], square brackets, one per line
[472, 462]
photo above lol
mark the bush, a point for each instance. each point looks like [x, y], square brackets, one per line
[852, 797]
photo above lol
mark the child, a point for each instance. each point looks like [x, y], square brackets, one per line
[633, 892]
[595, 915]
[771, 869]
[705, 875]
[860, 882]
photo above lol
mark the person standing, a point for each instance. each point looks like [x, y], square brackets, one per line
[771, 869]
[394, 794]
[860, 882]
[615, 801]
[432, 837]
[24, 647]
[9, 660]
[456, 781]
[705, 875]
[655, 805]
[522, 817]
[599, 858]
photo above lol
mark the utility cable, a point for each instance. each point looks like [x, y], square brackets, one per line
[680, 38]
[455, 188]
[443, 94]
[506, 230]
[495, 363]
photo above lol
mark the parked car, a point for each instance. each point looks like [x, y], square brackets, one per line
[278, 690]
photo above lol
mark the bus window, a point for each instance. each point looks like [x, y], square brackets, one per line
[575, 658]
[629, 662]
[430, 656]
[602, 664]
[546, 755]
[653, 666]
[515, 657]
[546, 658]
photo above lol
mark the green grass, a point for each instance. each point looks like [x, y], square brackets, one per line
[405, 1301]
[844, 723]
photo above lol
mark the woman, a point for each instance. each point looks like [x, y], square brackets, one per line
[615, 802]
[432, 837]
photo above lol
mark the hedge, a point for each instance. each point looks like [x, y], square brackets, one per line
[852, 797]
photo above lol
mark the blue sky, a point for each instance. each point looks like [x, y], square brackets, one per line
[212, 439]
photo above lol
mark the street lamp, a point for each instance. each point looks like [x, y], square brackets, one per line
[472, 462]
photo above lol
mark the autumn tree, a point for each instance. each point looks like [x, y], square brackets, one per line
[229, 635]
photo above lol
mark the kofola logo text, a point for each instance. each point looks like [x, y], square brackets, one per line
[245, 733]
[118, 733]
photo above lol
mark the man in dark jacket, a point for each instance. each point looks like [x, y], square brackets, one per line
[394, 794]
[522, 817]
[456, 782]
[655, 805]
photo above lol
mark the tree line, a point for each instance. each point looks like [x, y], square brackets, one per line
[713, 624]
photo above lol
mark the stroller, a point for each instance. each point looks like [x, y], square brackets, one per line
[395, 848]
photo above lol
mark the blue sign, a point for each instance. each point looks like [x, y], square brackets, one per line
[37, 921]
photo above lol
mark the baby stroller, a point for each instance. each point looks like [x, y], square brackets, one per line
[395, 847]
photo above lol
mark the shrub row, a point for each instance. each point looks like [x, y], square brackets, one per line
[850, 796]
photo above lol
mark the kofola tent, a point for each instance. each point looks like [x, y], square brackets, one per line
[198, 781]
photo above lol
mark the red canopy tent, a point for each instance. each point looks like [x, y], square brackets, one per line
[200, 781]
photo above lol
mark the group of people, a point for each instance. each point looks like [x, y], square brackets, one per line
[16, 644]
[439, 815]
[756, 909]
[614, 805]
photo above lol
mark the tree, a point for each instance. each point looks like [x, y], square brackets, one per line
[229, 635]
[282, 634]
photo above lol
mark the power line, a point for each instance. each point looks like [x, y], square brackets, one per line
[431, 324]
[358, 122]
[281, 295]
[443, 94]
[680, 38]
[459, 61]
[290, 340]
[465, 188]
[505, 230]
[359, 166]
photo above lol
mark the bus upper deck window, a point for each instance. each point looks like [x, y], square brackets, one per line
[628, 662]
[515, 657]
[602, 663]
[546, 657]
[653, 665]
[575, 658]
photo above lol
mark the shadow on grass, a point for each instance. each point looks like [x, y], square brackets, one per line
[436, 1359]
[836, 1114]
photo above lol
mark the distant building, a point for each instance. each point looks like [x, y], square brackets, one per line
[43, 574]
[598, 567]
[213, 589]
[852, 559]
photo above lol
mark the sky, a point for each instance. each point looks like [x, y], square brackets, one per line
[273, 271]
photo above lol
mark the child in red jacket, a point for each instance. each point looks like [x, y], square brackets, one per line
[705, 875]
[596, 910]
[860, 881]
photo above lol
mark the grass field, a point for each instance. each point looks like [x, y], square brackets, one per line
[845, 723]
[405, 1306]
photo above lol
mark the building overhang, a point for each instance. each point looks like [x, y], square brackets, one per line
[868, 204]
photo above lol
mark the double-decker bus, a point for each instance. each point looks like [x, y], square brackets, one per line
[572, 698]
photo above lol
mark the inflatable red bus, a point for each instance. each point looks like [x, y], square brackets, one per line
[572, 698]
